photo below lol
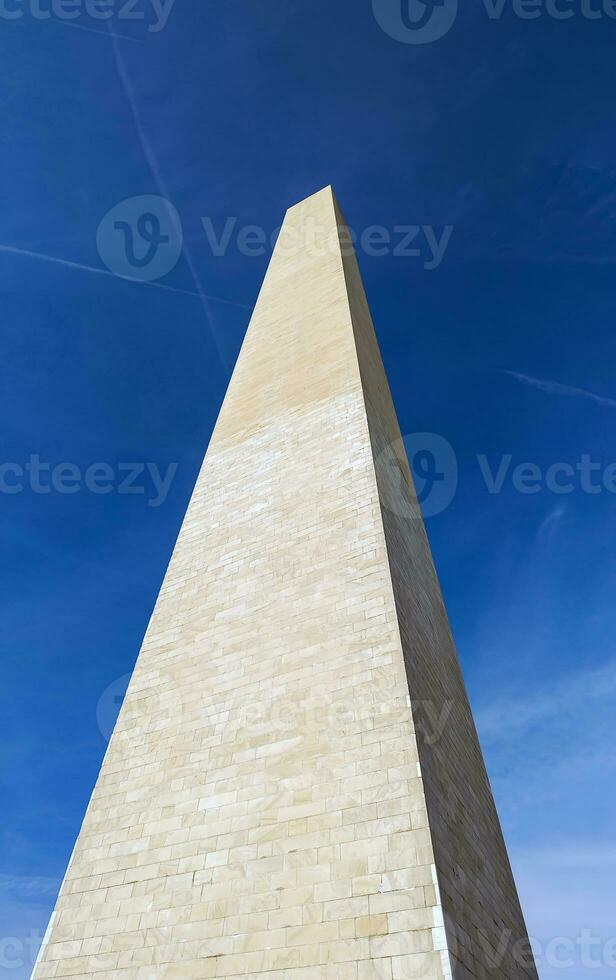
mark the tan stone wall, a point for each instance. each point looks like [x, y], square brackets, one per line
[260, 810]
[486, 934]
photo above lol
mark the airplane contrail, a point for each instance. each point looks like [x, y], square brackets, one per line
[95, 30]
[160, 183]
[14, 250]
[555, 388]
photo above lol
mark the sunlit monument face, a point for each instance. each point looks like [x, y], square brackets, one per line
[294, 788]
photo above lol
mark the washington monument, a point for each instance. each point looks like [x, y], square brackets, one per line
[294, 789]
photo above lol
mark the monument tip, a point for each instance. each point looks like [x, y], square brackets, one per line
[327, 189]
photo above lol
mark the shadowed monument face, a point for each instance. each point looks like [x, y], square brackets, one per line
[294, 789]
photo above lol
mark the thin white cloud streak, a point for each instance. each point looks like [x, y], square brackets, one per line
[550, 749]
[550, 522]
[548, 778]
[25, 888]
[152, 163]
[567, 887]
[43, 256]
[570, 854]
[503, 717]
[555, 388]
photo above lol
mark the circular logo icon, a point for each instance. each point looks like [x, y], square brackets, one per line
[415, 21]
[434, 479]
[140, 238]
[162, 704]
[109, 704]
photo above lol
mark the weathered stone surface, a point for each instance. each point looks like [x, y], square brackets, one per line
[267, 806]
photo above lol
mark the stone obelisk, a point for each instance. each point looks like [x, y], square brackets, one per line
[294, 789]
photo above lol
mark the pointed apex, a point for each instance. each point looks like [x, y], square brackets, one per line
[314, 226]
[326, 192]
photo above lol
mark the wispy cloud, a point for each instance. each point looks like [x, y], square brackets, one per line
[26, 889]
[25, 906]
[547, 754]
[555, 388]
[503, 717]
[590, 854]
[567, 891]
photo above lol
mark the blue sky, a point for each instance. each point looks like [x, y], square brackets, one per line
[501, 130]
